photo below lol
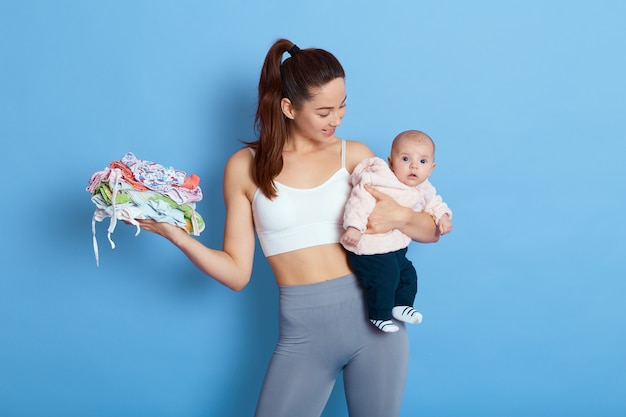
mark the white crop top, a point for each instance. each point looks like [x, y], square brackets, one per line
[299, 218]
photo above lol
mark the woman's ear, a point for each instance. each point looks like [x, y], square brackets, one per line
[287, 108]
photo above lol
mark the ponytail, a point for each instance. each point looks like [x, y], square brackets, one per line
[293, 78]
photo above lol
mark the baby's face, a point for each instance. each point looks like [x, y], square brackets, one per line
[412, 161]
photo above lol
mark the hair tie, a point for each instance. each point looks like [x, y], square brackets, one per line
[294, 50]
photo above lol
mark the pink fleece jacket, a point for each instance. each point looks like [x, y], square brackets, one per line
[375, 171]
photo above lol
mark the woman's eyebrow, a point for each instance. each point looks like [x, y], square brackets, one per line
[332, 107]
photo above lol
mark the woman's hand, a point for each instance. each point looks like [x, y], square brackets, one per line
[388, 215]
[167, 230]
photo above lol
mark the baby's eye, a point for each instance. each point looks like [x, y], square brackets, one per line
[423, 161]
[405, 159]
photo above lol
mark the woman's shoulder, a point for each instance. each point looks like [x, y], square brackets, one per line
[241, 160]
[239, 167]
[356, 152]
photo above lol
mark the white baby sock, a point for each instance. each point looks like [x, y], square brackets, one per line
[386, 326]
[407, 314]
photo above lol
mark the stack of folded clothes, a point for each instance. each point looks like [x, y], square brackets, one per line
[132, 188]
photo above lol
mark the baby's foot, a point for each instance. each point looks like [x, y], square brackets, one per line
[407, 314]
[386, 326]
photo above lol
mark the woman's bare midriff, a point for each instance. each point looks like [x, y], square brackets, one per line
[310, 265]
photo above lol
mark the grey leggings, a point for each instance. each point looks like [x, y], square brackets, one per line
[324, 330]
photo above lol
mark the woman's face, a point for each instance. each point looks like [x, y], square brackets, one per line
[318, 117]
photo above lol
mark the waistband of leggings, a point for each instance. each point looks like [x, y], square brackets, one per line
[323, 293]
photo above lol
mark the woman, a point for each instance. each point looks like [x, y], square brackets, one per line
[292, 184]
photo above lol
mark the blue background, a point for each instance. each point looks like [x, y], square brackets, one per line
[523, 303]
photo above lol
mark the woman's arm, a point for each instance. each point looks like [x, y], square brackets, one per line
[388, 215]
[231, 266]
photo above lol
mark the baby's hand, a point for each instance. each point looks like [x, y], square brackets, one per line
[351, 237]
[445, 224]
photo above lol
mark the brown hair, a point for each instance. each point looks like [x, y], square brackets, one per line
[294, 78]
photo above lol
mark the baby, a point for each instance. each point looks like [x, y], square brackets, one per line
[379, 260]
